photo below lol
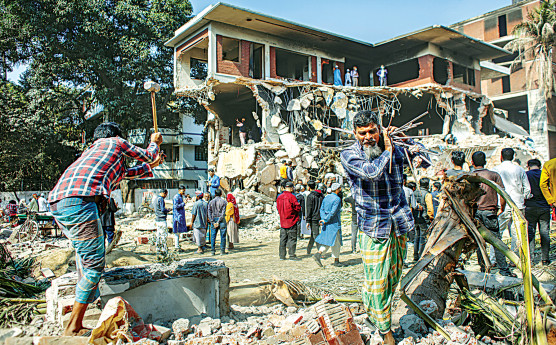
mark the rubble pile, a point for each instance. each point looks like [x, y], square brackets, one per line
[491, 145]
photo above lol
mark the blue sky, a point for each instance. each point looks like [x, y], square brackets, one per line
[370, 21]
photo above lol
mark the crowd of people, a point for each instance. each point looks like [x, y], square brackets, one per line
[387, 210]
[211, 214]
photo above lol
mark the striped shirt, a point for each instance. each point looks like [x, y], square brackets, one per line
[379, 197]
[101, 167]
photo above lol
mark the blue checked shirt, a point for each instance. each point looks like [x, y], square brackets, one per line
[379, 197]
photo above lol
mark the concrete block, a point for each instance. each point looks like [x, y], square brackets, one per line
[8, 333]
[161, 292]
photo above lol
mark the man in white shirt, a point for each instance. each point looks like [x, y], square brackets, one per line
[43, 205]
[517, 186]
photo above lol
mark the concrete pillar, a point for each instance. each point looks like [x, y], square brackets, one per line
[319, 70]
[538, 121]
[266, 61]
[211, 52]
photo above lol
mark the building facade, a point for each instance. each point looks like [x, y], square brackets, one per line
[229, 57]
[518, 93]
[185, 164]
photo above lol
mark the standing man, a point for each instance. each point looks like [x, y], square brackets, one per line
[242, 131]
[435, 193]
[355, 76]
[517, 186]
[75, 201]
[337, 76]
[424, 214]
[213, 182]
[488, 209]
[383, 215]
[330, 220]
[199, 217]
[288, 210]
[178, 215]
[548, 181]
[301, 200]
[289, 171]
[410, 198]
[43, 205]
[458, 159]
[34, 204]
[161, 214]
[537, 211]
[312, 213]
[347, 77]
[382, 75]
[217, 219]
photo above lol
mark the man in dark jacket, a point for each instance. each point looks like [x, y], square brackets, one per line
[423, 216]
[217, 219]
[161, 213]
[288, 210]
[312, 213]
[537, 211]
[301, 200]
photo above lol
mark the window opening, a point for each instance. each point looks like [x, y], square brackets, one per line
[199, 69]
[291, 65]
[506, 84]
[502, 26]
[230, 49]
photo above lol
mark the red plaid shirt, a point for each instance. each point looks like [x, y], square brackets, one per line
[101, 167]
[12, 209]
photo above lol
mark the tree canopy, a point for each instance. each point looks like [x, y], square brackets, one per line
[81, 55]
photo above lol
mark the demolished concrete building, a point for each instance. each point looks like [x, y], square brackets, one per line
[278, 75]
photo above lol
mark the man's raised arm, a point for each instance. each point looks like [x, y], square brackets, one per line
[362, 167]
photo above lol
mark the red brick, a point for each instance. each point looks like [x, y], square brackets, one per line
[273, 63]
[314, 69]
[240, 68]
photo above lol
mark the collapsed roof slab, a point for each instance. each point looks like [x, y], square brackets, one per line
[298, 104]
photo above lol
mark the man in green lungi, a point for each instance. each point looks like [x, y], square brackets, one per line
[383, 215]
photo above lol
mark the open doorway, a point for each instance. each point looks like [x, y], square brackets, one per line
[256, 61]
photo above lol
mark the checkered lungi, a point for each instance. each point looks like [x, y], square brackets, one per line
[382, 263]
[80, 223]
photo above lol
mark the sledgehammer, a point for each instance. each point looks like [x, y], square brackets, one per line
[153, 88]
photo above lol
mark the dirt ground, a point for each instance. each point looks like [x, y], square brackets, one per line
[257, 261]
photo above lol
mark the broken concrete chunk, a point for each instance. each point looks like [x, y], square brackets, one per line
[282, 128]
[180, 327]
[275, 121]
[294, 104]
[305, 102]
[413, 326]
[269, 190]
[290, 144]
[281, 154]
[268, 175]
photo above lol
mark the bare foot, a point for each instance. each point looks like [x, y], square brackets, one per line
[75, 333]
[389, 339]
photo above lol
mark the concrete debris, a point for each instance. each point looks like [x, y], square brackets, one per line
[299, 118]
[191, 286]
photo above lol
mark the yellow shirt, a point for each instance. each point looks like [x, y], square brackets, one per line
[230, 213]
[430, 206]
[284, 171]
[548, 181]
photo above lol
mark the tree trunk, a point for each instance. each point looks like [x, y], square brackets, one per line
[433, 282]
